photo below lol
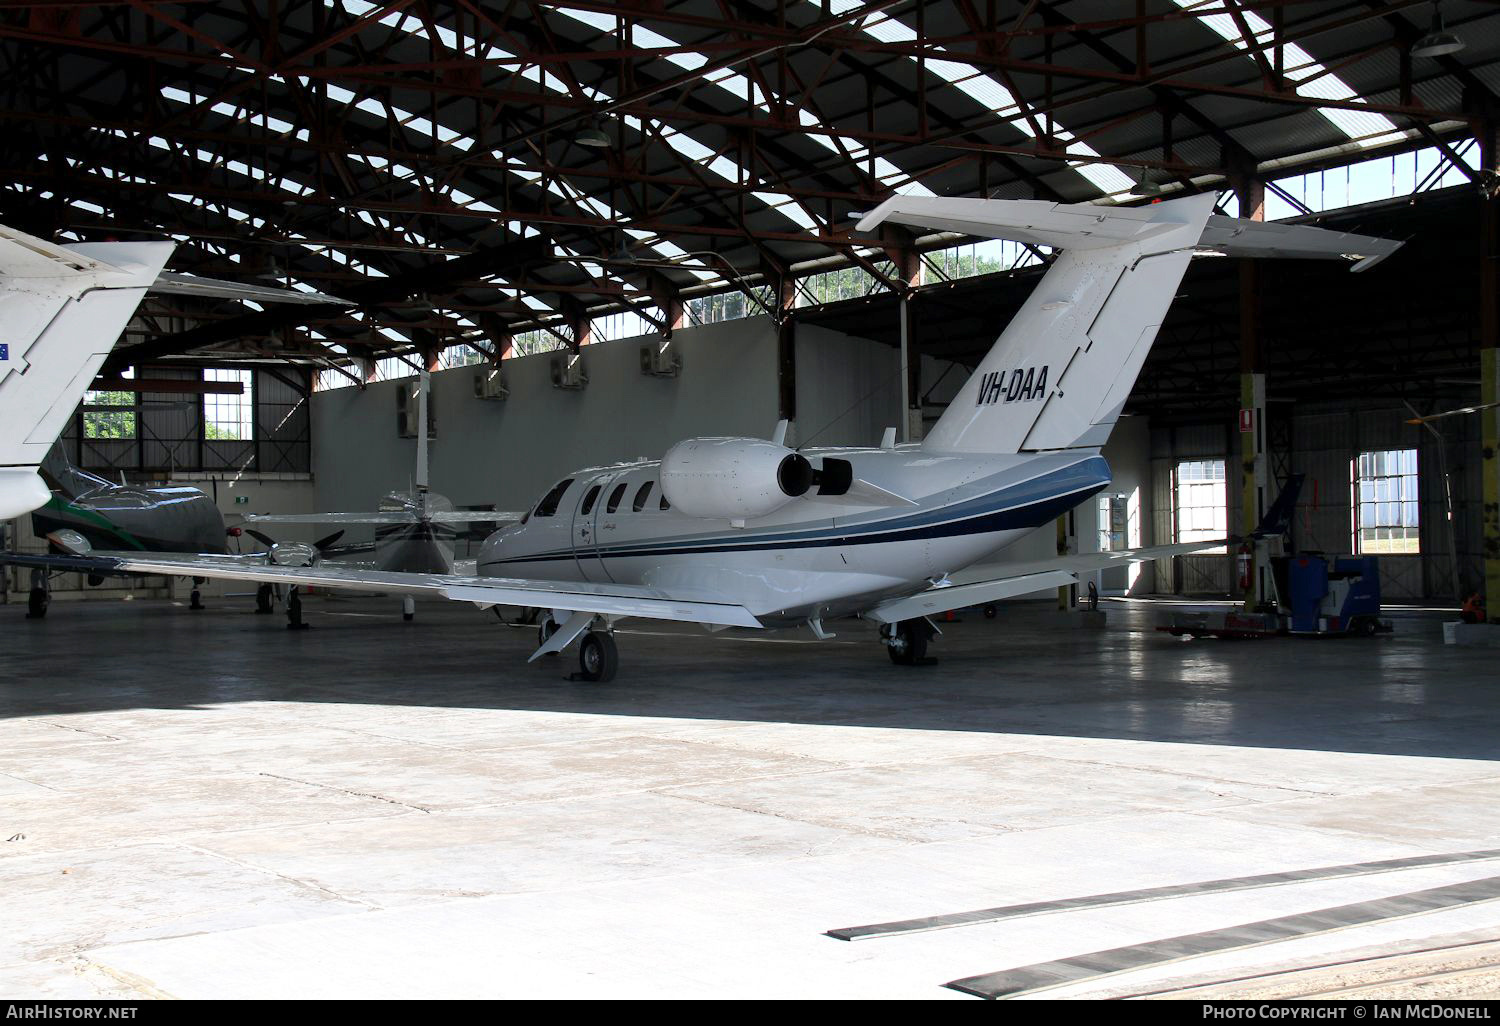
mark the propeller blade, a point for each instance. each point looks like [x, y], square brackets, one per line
[265, 540]
[323, 543]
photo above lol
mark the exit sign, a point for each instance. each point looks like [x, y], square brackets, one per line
[242, 500]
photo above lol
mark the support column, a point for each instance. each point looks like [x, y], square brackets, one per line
[1252, 416]
[1488, 133]
[786, 350]
[909, 266]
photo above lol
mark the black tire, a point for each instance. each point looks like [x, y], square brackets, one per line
[908, 643]
[408, 617]
[598, 658]
[265, 599]
[36, 604]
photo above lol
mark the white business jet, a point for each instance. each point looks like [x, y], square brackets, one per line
[747, 532]
[62, 309]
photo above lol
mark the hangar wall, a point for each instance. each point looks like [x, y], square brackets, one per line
[1320, 441]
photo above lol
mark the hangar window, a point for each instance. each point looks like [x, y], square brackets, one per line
[548, 506]
[640, 497]
[109, 415]
[589, 500]
[615, 497]
[1386, 515]
[228, 417]
[1202, 494]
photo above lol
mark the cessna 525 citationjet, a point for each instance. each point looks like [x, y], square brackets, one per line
[747, 532]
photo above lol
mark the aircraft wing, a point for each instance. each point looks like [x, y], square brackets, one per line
[456, 516]
[1007, 580]
[391, 517]
[605, 599]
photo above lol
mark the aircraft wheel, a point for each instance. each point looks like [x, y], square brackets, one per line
[907, 643]
[989, 612]
[195, 601]
[547, 628]
[36, 604]
[598, 658]
[265, 599]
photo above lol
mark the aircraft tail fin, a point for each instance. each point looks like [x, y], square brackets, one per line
[63, 308]
[1278, 518]
[1059, 374]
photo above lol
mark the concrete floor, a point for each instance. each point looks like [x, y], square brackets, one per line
[207, 805]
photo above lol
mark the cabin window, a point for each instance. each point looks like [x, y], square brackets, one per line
[615, 497]
[548, 506]
[589, 500]
[641, 496]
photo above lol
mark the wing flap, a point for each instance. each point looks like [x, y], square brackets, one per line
[941, 600]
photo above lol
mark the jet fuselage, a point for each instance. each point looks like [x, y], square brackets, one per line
[815, 557]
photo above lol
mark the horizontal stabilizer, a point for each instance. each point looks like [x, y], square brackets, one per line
[1233, 236]
[1063, 225]
[1086, 226]
[172, 283]
[26, 256]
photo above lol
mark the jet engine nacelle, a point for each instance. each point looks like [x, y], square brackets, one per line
[733, 478]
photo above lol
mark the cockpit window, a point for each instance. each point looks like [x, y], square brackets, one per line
[588, 501]
[548, 506]
[615, 497]
[641, 496]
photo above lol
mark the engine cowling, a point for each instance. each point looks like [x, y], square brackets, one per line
[733, 478]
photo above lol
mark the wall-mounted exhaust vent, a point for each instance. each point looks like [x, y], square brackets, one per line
[568, 371]
[490, 383]
[661, 359]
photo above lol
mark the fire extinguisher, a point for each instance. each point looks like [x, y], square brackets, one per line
[1246, 563]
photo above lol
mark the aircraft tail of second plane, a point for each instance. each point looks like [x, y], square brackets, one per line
[62, 308]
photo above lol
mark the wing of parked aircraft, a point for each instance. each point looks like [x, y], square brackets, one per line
[442, 516]
[981, 585]
[614, 600]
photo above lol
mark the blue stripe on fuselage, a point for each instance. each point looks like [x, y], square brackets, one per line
[1017, 507]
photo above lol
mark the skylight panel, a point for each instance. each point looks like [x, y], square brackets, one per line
[1312, 79]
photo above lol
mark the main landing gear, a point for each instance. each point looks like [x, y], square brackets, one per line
[195, 601]
[39, 598]
[598, 656]
[265, 599]
[294, 611]
[408, 608]
[906, 641]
